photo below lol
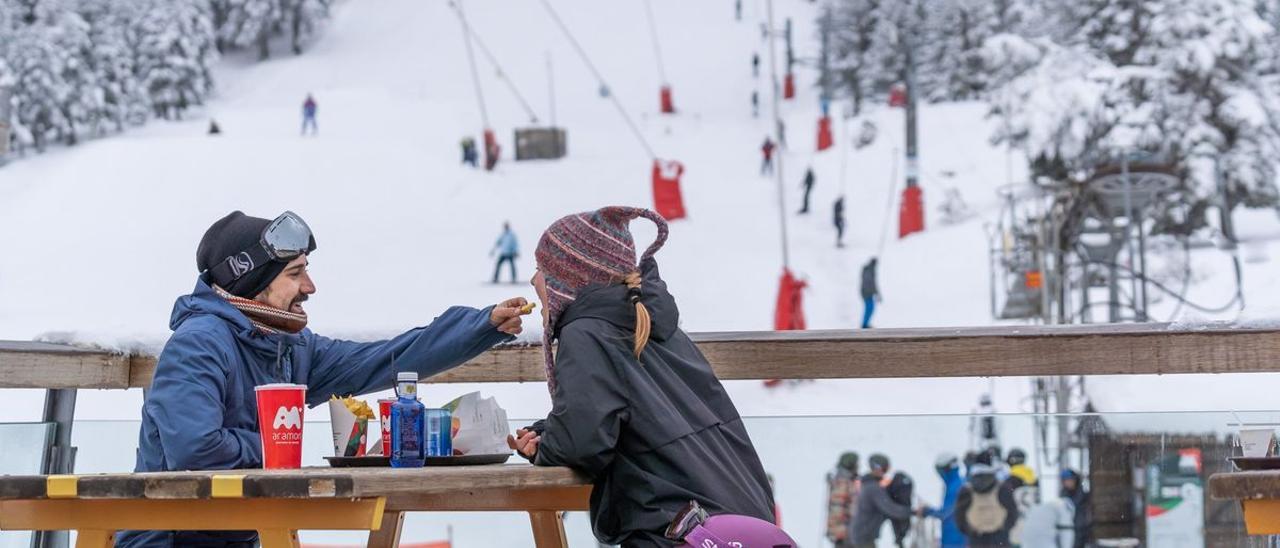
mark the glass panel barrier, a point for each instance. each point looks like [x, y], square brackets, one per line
[1146, 474]
[23, 450]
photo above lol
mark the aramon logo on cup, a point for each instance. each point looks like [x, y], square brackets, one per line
[288, 417]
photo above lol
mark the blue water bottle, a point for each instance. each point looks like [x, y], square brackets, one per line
[407, 447]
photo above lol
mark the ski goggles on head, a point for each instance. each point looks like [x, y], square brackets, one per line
[685, 521]
[285, 239]
[688, 527]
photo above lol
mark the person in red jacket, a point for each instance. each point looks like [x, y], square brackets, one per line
[766, 150]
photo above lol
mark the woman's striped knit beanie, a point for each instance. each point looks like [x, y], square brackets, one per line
[592, 247]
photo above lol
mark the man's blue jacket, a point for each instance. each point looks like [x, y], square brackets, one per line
[201, 411]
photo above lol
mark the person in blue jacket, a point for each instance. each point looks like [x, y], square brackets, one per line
[507, 249]
[309, 115]
[948, 467]
[244, 325]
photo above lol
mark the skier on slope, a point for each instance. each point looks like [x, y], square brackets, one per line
[837, 219]
[492, 150]
[469, 153]
[1080, 500]
[635, 406]
[870, 291]
[948, 467]
[807, 184]
[984, 426]
[901, 490]
[507, 249]
[843, 487]
[874, 504]
[766, 151]
[1020, 474]
[985, 510]
[309, 115]
[1024, 485]
[755, 65]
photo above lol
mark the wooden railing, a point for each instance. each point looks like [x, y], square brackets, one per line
[1116, 349]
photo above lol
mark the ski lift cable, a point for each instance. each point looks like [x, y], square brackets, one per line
[844, 154]
[1186, 275]
[777, 126]
[493, 60]
[657, 46]
[888, 207]
[471, 61]
[1238, 298]
[635, 130]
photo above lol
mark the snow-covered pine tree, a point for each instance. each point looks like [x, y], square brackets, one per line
[903, 39]
[56, 92]
[945, 37]
[36, 85]
[247, 23]
[951, 65]
[1184, 78]
[112, 59]
[1008, 16]
[80, 68]
[253, 23]
[302, 18]
[854, 31]
[174, 54]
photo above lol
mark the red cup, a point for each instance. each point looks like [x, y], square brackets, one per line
[384, 414]
[281, 408]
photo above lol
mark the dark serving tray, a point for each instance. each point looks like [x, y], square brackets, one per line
[1256, 463]
[458, 460]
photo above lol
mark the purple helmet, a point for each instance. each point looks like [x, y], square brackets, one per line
[725, 531]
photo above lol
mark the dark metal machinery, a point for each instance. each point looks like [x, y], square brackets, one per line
[1060, 252]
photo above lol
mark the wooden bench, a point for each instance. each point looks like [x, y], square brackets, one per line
[278, 503]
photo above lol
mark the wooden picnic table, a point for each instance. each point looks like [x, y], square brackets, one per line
[1259, 494]
[279, 503]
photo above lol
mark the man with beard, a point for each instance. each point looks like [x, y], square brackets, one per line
[244, 326]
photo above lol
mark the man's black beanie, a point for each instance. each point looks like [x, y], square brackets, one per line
[231, 235]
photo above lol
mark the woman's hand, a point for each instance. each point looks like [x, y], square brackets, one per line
[524, 442]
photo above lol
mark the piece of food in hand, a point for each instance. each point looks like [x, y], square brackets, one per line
[528, 308]
[357, 407]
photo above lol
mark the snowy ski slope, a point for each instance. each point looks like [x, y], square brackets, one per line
[96, 241]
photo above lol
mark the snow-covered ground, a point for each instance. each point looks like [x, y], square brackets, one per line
[96, 241]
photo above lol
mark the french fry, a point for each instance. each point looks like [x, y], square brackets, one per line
[357, 407]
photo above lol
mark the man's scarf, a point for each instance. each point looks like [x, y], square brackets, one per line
[267, 319]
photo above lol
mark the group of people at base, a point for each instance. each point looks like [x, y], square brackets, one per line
[987, 502]
[635, 405]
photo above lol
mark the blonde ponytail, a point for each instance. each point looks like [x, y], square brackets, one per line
[632, 281]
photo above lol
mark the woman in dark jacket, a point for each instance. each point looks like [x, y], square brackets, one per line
[635, 405]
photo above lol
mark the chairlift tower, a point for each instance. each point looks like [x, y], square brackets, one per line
[1062, 249]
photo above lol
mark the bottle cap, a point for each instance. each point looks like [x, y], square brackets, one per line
[407, 376]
